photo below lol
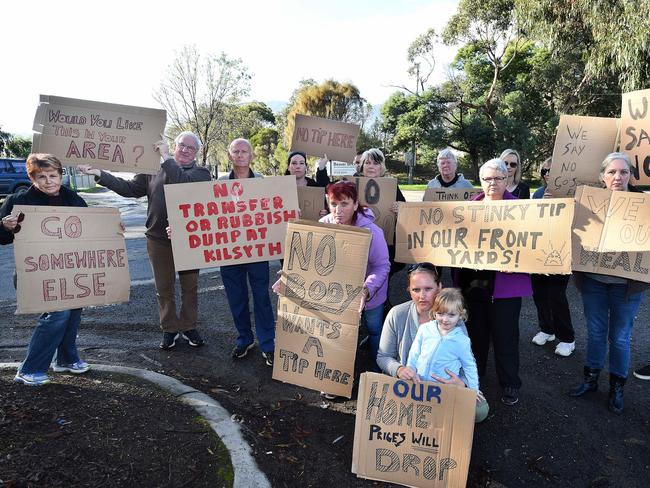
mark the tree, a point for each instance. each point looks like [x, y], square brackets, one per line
[198, 94]
[12, 146]
[264, 144]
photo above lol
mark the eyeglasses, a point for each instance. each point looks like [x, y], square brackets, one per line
[493, 179]
[512, 164]
[426, 266]
[185, 147]
[545, 171]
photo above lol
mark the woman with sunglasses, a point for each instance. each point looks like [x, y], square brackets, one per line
[515, 186]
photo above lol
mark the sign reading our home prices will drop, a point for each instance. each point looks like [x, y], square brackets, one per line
[581, 144]
[69, 257]
[317, 136]
[635, 133]
[217, 223]
[106, 135]
[592, 208]
[318, 316]
[413, 434]
[527, 236]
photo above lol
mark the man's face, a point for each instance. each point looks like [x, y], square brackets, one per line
[185, 150]
[447, 168]
[240, 155]
[357, 162]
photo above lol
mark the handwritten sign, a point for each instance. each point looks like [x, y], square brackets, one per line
[413, 434]
[311, 200]
[379, 194]
[216, 223]
[527, 236]
[581, 144]
[317, 136]
[450, 194]
[70, 257]
[635, 133]
[106, 135]
[318, 317]
[592, 208]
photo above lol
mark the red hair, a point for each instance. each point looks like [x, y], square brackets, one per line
[345, 189]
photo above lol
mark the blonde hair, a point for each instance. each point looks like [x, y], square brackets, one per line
[449, 299]
[516, 179]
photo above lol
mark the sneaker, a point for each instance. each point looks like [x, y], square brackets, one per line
[169, 340]
[643, 373]
[565, 348]
[542, 338]
[193, 338]
[268, 357]
[36, 379]
[240, 352]
[76, 368]
[510, 396]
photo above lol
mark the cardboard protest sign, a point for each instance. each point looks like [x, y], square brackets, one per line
[106, 135]
[70, 257]
[317, 136]
[627, 222]
[450, 194]
[413, 434]
[311, 200]
[527, 236]
[318, 316]
[217, 223]
[379, 194]
[592, 208]
[581, 144]
[635, 133]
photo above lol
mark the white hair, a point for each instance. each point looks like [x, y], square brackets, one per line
[496, 164]
[187, 133]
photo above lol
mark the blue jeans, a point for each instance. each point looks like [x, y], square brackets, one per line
[374, 320]
[610, 316]
[235, 282]
[55, 332]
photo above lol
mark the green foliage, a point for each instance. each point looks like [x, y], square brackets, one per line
[264, 143]
[12, 146]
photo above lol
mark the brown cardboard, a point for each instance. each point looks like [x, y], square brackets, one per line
[217, 223]
[311, 200]
[379, 194]
[592, 207]
[581, 144]
[627, 223]
[635, 133]
[318, 316]
[414, 435]
[450, 194]
[69, 257]
[527, 236]
[317, 136]
[105, 135]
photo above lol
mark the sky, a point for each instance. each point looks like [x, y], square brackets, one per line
[119, 51]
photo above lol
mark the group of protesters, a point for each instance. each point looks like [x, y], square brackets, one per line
[439, 335]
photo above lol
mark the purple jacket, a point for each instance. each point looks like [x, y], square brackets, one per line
[378, 263]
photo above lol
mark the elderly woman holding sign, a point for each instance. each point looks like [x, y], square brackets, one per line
[610, 305]
[494, 299]
[56, 332]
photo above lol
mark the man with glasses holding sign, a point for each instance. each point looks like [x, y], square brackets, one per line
[179, 168]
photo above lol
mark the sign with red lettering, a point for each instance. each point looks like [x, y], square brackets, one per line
[635, 133]
[217, 223]
[70, 257]
[317, 136]
[106, 135]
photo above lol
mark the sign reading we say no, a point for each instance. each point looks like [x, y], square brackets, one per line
[635, 133]
[317, 136]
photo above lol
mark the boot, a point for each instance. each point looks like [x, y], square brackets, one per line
[615, 402]
[590, 383]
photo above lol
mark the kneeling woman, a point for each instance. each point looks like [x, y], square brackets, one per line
[55, 331]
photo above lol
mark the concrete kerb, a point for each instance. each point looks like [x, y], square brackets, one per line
[246, 471]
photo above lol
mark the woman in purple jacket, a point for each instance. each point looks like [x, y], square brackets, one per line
[494, 300]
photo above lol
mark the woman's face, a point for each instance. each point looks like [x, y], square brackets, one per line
[47, 180]
[617, 175]
[371, 169]
[493, 183]
[423, 289]
[546, 171]
[298, 166]
[511, 163]
[343, 210]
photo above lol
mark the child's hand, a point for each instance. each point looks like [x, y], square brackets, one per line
[452, 380]
[480, 398]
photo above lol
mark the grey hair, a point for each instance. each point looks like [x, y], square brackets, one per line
[611, 157]
[447, 153]
[189, 134]
[496, 164]
[377, 156]
[241, 139]
[517, 177]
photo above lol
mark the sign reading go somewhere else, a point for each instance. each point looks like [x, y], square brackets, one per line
[413, 434]
[217, 223]
[318, 316]
[527, 236]
[70, 257]
[106, 135]
[317, 136]
[635, 133]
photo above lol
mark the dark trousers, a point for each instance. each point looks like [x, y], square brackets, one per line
[497, 320]
[549, 293]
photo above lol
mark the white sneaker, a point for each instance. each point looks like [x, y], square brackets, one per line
[565, 348]
[542, 338]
